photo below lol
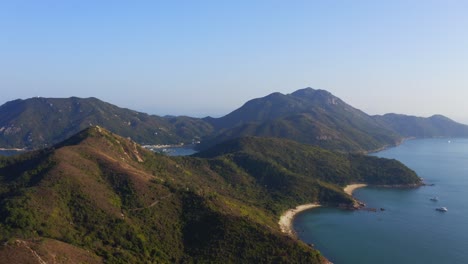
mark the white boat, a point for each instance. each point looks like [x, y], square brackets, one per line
[435, 199]
[442, 209]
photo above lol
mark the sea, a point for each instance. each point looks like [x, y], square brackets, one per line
[170, 151]
[409, 230]
[176, 151]
[10, 152]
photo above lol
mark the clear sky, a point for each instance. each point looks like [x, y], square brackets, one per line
[204, 57]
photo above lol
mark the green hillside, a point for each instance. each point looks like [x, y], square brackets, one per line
[298, 163]
[103, 194]
[308, 116]
[315, 130]
[317, 117]
[420, 127]
[40, 122]
[314, 117]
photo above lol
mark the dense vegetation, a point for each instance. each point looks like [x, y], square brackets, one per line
[316, 117]
[419, 127]
[308, 116]
[109, 200]
[39, 122]
[309, 162]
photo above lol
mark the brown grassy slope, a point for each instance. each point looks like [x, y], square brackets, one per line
[105, 194]
[45, 251]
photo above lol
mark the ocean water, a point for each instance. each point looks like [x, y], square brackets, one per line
[171, 151]
[9, 152]
[410, 230]
[177, 151]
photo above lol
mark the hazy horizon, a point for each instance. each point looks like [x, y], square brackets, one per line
[209, 58]
[202, 114]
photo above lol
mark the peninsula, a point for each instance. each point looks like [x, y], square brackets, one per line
[128, 204]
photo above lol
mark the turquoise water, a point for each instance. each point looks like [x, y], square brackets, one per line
[409, 230]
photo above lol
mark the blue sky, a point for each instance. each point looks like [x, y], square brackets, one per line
[208, 57]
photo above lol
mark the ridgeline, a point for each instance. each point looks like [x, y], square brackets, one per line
[317, 117]
[308, 116]
[98, 197]
[41, 122]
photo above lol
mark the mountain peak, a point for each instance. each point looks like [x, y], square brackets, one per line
[87, 133]
[440, 117]
[275, 94]
[312, 93]
[101, 139]
[304, 91]
[95, 132]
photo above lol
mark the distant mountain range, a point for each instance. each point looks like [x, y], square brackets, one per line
[419, 127]
[319, 118]
[89, 195]
[40, 122]
[309, 116]
[98, 197]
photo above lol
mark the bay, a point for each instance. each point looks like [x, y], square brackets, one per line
[170, 151]
[410, 230]
[176, 151]
[10, 152]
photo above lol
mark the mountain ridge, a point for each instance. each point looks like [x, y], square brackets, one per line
[108, 195]
[309, 116]
[40, 122]
[421, 127]
[105, 194]
[317, 117]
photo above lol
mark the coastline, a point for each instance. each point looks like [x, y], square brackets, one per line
[12, 149]
[401, 141]
[169, 146]
[350, 188]
[286, 219]
[417, 202]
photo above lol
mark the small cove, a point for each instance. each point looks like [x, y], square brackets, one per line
[409, 230]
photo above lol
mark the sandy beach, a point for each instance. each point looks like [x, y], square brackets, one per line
[12, 149]
[349, 189]
[287, 217]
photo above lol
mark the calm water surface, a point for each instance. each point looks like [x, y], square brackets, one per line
[170, 151]
[409, 230]
[10, 152]
[177, 151]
